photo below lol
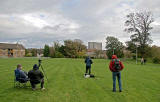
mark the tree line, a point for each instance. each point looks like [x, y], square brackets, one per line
[138, 25]
[70, 49]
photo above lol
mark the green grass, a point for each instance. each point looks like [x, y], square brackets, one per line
[66, 82]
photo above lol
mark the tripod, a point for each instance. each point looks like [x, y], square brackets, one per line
[40, 65]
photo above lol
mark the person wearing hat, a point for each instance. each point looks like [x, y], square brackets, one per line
[36, 77]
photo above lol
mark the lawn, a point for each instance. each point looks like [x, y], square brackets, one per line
[67, 84]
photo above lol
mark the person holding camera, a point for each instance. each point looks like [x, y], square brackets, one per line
[36, 77]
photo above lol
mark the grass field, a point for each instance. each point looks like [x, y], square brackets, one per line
[66, 82]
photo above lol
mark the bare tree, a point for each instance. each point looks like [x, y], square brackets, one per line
[139, 25]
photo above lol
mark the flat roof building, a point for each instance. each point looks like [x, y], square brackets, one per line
[95, 45]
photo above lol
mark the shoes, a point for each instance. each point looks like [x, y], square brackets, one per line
[33, 89]
[120, 90]
[43, 88]
[114, 90]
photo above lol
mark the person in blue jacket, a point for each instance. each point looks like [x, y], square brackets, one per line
[88, 62]
[21, 75]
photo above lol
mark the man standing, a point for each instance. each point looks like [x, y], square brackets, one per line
[36, 77]
[88, 62]
[116, 66]
[21, 75]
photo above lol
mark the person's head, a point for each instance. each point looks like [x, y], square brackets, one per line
[114, 57]
[19, 66]
[88, 57]
[35, 67]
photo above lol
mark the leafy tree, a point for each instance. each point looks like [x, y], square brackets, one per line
[62, 50]
[34, 52]
[131, 46]
[74, 48]
[139, 25]
[114, 46]
[98, 53]
[46, 51]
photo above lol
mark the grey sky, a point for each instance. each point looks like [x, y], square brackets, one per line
[38, 22]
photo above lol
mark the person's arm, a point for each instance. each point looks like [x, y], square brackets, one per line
[29, 74]
[22, 74]
[91, 61]
[122, 66]
[111, 66]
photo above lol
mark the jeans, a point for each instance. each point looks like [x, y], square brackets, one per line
[88, 68]
[118, 75]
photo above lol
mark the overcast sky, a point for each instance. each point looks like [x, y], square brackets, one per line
[34, 23]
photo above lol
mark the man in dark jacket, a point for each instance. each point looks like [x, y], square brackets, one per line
[88, 62]
[116, 66]
[21, 75]
[36, 77]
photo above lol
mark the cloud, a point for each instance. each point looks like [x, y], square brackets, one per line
[38, 22]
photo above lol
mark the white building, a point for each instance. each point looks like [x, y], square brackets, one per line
[95, 45]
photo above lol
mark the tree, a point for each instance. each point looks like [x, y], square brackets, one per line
[46, 51]
[74, 48]
[139, 25]
[131, 46]
[114, 46]
[98, 53]
[34, 52]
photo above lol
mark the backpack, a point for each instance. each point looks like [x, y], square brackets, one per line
[117, 65]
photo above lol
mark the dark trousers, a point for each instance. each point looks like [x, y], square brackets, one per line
[33, 83]
[88, 68]
[118, 75]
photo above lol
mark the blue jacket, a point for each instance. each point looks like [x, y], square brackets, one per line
[20, 74]
[88, 61]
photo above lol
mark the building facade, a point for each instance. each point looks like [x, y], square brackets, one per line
[95, 45]
[95, 50]
[12, 50]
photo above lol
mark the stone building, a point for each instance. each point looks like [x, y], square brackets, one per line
[12, 50]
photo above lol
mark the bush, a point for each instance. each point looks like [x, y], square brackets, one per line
[134, 56]
[57, 55]
[28, 55]
[156, 60]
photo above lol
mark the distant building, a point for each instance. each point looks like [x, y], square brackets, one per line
[12, 50]
[95, 45]
[95, 50]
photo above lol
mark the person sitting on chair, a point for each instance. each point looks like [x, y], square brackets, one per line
[36, 77]
[21, 75]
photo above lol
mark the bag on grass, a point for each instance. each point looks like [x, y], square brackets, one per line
[92, 76]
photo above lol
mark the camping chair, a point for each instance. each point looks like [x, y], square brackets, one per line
[18, 81]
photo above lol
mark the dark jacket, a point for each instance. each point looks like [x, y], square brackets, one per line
[88, 61]
[20, 74]
[111, 65]
[35, 75]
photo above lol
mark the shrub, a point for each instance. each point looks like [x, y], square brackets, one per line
[134, 56]
[156, 60]
[29, 55]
